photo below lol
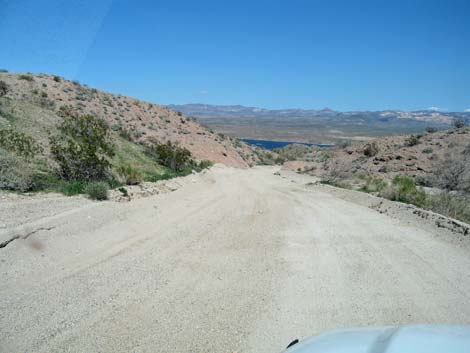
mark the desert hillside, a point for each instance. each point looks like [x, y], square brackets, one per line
[412, 155]
[32, 102]
[430, 170]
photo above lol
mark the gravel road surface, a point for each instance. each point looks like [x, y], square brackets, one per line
[233, 261]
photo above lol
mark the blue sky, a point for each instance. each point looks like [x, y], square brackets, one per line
[346, 55]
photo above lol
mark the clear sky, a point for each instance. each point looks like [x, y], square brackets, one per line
[346, 55]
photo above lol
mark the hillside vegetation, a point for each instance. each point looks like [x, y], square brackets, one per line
[59, 135]
[430, 170]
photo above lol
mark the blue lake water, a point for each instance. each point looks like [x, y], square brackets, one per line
[270, 145]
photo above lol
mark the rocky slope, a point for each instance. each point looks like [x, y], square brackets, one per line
[412, 155]
[33, 101]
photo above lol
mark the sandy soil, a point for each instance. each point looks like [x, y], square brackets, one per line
[232, 261]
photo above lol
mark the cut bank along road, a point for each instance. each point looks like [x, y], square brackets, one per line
[233, 261]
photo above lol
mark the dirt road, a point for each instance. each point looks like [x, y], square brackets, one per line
[232, 261]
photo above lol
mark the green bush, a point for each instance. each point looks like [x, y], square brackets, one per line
[97, 190]
[374, 184]
[371, 149]
[26, 77]
[403, 189]
[167, 175]
[428, 150]
[123, 191]
[15, 173]
[19, 143]
[129, 175]
[411, 141]
[322, 157]
[204, 164]
[71, 188]
[57, 79]
[170, 155]
[82, 147]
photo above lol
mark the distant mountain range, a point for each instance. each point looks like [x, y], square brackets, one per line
[233, 111]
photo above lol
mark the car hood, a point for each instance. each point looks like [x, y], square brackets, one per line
[401, 339]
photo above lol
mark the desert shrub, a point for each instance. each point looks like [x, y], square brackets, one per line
[371, 149]
[97, 190]
[113, 182]
[26, 77]
[404, 189]
[323, 157]
[422, 180]
[430, 130]
[21, 144]
[82, 147]
[167, 175]
[57, 78]
[7, 111]
[3, 88]
[45, 179]
[411, 141]
[458, 123]
[71, 188]
[204, 164]
[170, 155]
[279, 160]
[385, 168]
[15, 173]
[265, 158]
[126, 134]
[428, 150]
[129, 175]
[44, 102]
[123, 191]
[451, 205]
[374, 184]
[453, 173]
[337, 173]
[116, 127]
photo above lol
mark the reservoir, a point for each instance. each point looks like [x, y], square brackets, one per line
[270, 145]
